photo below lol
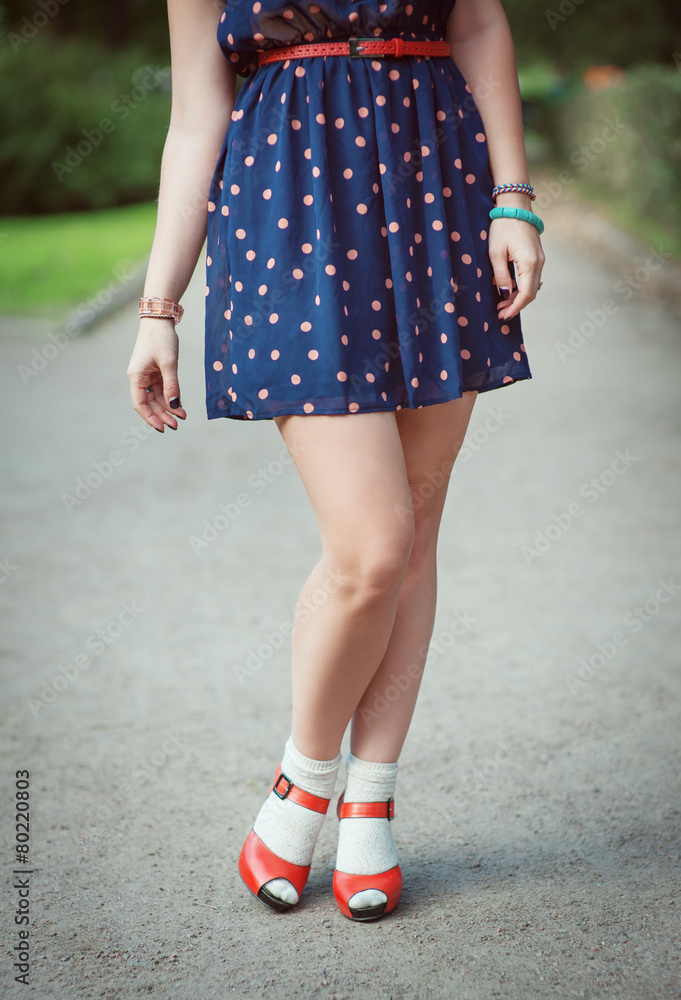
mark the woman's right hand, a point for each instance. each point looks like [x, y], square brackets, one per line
[153, 366]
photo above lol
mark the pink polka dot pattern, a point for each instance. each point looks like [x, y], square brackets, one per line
[348, 217]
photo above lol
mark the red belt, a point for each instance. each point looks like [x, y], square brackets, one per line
[368, 48]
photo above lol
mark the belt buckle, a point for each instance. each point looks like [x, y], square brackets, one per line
[354, 49]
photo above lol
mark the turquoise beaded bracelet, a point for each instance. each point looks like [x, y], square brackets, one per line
[518, 213]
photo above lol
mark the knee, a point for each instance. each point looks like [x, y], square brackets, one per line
[371, 573]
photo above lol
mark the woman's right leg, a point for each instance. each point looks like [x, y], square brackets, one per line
[353, 470]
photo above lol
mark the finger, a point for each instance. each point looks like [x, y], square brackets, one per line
[158, 405]
[502, 276]
[528, 286]
[141, 404]
[527, 291]
[519, 302]
[171, 391]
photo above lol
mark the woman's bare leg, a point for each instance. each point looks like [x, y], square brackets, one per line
[353, 470]
[431, 439]
[378, 490]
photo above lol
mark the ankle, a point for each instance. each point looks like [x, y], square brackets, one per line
[315, 776]
[369, 781]
[315, 748]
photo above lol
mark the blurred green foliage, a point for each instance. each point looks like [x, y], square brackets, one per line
[575, 34]
[540, 81]
[114, 26]
[625, 140]
[80, 127]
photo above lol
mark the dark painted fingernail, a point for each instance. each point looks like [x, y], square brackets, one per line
[504, 292]
[158, 429]
[174, 402]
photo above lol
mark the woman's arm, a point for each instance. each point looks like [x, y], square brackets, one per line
[482, 48]
[203, 93]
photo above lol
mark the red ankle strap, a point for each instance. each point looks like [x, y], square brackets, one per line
[285, 789]
[367, 810]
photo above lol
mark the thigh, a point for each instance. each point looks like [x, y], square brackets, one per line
[431, 439]
[353, 470]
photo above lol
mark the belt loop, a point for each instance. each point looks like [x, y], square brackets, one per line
[398, 46]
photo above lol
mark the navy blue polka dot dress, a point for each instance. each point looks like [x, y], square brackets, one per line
[347, 264]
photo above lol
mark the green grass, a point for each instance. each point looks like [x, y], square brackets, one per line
[58, 261]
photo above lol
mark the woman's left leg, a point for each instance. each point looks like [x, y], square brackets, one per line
[431, 440]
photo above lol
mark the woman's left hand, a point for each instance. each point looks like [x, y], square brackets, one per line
[513, 239]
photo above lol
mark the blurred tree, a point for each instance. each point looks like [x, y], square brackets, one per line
[113, 25]
[576, 34]
[81, 127]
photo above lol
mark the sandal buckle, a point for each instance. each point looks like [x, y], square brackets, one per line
[275, 786]
[391, 809]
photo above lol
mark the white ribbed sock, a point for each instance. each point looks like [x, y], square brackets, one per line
[288, 829]
[365, 846]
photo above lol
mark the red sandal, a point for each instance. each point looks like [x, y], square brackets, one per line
[345, 886]
[259, 865]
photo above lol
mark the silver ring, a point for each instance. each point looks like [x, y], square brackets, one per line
[148, 388]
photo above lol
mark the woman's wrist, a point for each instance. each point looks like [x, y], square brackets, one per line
[156, 323]
[513, 200]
